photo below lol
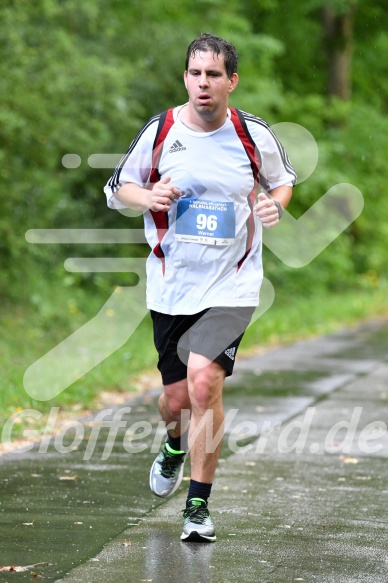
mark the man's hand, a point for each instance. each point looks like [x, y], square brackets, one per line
[162, 195]
[266, 210]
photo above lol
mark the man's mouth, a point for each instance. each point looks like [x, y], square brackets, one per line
[204, 98]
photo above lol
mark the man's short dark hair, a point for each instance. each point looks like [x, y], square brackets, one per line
[217, 45]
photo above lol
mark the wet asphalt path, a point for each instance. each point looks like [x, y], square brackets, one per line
[301, 491]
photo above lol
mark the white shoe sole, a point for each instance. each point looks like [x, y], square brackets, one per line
[196, 537]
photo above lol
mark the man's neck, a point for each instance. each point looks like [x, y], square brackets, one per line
[201, 121]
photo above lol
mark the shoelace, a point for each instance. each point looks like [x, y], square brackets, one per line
[196, 514]
[171, 463]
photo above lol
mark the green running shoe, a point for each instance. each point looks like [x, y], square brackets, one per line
[198, 526]
[167, 471]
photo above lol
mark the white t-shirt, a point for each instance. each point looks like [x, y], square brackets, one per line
[211, 255]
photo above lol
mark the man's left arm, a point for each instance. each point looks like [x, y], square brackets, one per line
[269, 208]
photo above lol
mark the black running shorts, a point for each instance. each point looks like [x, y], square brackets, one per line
[215, 333]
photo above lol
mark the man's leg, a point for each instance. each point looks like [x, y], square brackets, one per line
[205, 384]
[167, 470]
[174, 400]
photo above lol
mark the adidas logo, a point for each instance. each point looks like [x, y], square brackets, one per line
[177, 147]
[230, 352]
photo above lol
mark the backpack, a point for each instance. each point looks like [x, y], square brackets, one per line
[166, 121]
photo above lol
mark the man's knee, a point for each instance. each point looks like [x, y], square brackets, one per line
[205, 386]
[177, 398]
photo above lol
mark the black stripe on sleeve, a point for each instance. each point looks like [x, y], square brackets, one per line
[286, 161]
[114, 181]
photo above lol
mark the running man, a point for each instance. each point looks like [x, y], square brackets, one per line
[207, 178]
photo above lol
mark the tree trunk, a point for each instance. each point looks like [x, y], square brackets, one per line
[338, 42]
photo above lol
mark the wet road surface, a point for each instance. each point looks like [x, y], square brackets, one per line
[301, 491]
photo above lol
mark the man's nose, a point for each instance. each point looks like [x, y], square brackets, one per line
[203, 81]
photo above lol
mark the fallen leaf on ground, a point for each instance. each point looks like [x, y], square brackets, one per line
[21, 569]
[348, 460]
[127, 543]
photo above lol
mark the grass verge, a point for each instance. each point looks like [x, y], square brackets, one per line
[27, 333]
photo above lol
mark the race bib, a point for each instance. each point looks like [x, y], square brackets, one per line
[206, 222]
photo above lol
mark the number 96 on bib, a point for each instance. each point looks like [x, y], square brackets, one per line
[206, 222]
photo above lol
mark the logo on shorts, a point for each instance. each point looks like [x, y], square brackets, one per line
[177, 147]
[230, 352]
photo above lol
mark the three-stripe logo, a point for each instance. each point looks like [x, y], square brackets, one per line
[176, 147]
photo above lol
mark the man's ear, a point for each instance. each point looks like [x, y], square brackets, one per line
[233, 80]
[185, 78]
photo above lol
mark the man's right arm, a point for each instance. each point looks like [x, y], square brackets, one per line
[157, 198]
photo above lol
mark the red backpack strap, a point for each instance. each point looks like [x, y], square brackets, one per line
[166, 121]
[250, 147]
[253, 154]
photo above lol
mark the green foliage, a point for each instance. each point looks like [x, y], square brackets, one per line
[54, 100]
[81, 79]
[26, 333]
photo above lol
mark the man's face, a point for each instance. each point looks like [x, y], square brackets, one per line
[207, 83]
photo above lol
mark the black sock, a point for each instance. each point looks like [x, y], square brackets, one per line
[199, 490]
[178, 443]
